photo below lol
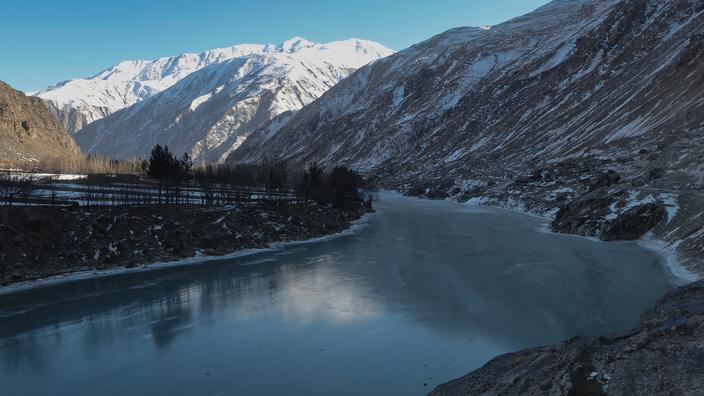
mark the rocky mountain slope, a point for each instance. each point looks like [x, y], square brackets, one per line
[28, 131]
[581, 101]
[213, 110]
[81, 101]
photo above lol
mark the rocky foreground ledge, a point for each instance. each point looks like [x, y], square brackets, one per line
[38, 242]
[663, 355]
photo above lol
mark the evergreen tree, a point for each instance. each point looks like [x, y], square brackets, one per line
[160, 162]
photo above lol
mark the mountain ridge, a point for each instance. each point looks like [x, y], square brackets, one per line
[79, 102]
[212, 110]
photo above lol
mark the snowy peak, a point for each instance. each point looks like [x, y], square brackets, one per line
[354, 52]
[295, 44]
[81, 101]
[211, 111]
[123, 71]
[179, 66]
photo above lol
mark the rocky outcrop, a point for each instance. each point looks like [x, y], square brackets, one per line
[583, 217]
[29, 132]
[590, 217]
[663, 355]
[605, 180]
[634, 223]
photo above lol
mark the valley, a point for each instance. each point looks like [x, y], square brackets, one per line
[533, 113]
[523, 199]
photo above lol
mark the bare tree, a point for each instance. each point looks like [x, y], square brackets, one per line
[15, 185]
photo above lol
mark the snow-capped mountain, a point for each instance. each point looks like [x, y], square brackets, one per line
[573, 78]
[81, 101]
[212, 110]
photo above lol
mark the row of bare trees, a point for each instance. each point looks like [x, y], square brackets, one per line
[88, 165]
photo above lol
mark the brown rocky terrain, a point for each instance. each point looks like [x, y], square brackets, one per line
[29, 131]
[37, 242]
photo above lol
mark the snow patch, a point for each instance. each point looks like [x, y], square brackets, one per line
[399, 96]
[199, 101]
[668, 252]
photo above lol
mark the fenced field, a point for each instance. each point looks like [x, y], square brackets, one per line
[24, 188]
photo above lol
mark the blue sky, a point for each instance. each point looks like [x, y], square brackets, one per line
[47, 41]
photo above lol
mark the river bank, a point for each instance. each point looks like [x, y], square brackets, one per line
[42, 242]
[593, 198]
[661, 355]
[667, 340]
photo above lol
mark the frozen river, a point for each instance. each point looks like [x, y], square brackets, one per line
[422, 294]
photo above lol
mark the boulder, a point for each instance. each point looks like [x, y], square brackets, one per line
[605, 180]
[582, 217]
[634, 223]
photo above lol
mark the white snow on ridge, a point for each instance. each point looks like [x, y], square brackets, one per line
[199, 101]
[132, 81]
[240, 95]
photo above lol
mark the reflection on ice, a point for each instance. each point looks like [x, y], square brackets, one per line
[428, 291]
